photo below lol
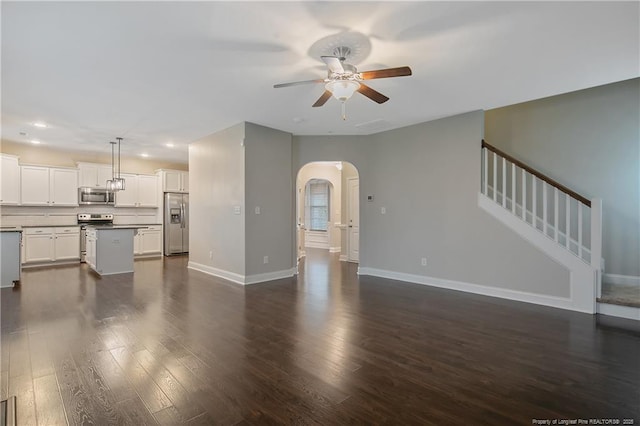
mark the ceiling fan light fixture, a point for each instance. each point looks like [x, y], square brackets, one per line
[342, 90]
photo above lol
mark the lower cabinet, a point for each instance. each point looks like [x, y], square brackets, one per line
[148, 241]
[51, 244]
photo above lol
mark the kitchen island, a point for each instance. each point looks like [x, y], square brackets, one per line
[110, 248]
[10, 239]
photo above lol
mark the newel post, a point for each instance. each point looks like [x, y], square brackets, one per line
[596, 242]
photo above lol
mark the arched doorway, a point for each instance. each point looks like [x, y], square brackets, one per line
[327, 209]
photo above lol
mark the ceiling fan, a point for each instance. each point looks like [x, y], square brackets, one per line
[344, 79]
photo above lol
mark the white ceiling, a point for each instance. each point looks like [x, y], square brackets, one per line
[159, 72]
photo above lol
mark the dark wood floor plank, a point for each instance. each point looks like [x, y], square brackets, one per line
[186, 405]
[168, 345]
[152, 396]
[22, 388]
[48, 401]
[135, 412]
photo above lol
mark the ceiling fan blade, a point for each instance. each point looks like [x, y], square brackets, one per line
[297, 83]
[323, 99]
[385, 73]
[374, 95]
[333, 63]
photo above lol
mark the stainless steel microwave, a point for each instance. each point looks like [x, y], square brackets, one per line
[88, 195]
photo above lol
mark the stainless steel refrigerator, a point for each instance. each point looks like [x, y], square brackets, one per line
[176, 223]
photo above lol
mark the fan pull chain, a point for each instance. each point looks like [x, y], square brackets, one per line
[344, 111]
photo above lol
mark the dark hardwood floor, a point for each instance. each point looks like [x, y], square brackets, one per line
[171, 346]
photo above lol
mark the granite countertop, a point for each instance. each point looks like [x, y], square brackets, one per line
[138, 224]
[49, 226]
[107, 227]
[10, 229]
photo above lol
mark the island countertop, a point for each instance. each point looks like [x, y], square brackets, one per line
[108, 227]
[10, 229]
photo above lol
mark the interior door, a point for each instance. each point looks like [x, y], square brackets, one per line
[353, 231]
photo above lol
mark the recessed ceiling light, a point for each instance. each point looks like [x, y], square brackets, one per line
[40, 124]
[35, 142]
[169, 145]
[144, 154]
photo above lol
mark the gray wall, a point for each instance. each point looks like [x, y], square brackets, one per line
[589, 141]
[268, 185]
[216, 185]
[428, 177]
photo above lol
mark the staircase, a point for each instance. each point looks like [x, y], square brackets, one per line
[563, 224]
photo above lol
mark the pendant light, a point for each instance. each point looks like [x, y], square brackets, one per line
[119, 181]
[111, 183]
[116, 183]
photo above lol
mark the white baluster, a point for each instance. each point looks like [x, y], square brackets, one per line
[567, 221]
[534, 202]
[485, 172]
[555, 213]
[580, 229]
[513, 188]
[524, 195]
[504, 183]
[495, 177]
[544, 207]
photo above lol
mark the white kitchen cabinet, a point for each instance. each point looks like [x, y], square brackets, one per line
[34, 188]
[9, 180]
[48, 186]
[51, 244]
[147, 191]
[63, 187]
[67, 243]
[148, 241]
[38, 245]
[91, 255]
[140, 191]
[94, 175]
[174, 180]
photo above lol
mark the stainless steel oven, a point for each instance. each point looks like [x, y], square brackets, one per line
[88, 195]
[85, 219]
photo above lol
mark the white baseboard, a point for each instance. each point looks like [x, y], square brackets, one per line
[220, 273]
[343, 258]
[270, 276]
[318, 245]
[626, 280]
[628, 312]
[335, 249]
[503, 293]
[242, 279]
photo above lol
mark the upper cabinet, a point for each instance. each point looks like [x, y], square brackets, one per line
[48, 186]
[174, 180]
[140, 191]
[9, 180]
[93, 174]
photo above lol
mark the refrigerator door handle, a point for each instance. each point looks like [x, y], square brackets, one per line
[182, 211]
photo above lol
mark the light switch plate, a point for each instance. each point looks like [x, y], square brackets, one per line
[237, 210]
[383, 210]
[257, 209]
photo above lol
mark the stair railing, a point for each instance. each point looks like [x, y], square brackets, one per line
[560, 213]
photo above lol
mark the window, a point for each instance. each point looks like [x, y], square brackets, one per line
[317, 205]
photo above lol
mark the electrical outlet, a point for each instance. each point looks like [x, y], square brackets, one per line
[237, 209]
[258, 210]
[424, 261]
[211, 254]
[265, 260]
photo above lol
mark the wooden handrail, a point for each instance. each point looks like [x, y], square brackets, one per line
[537, 174]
